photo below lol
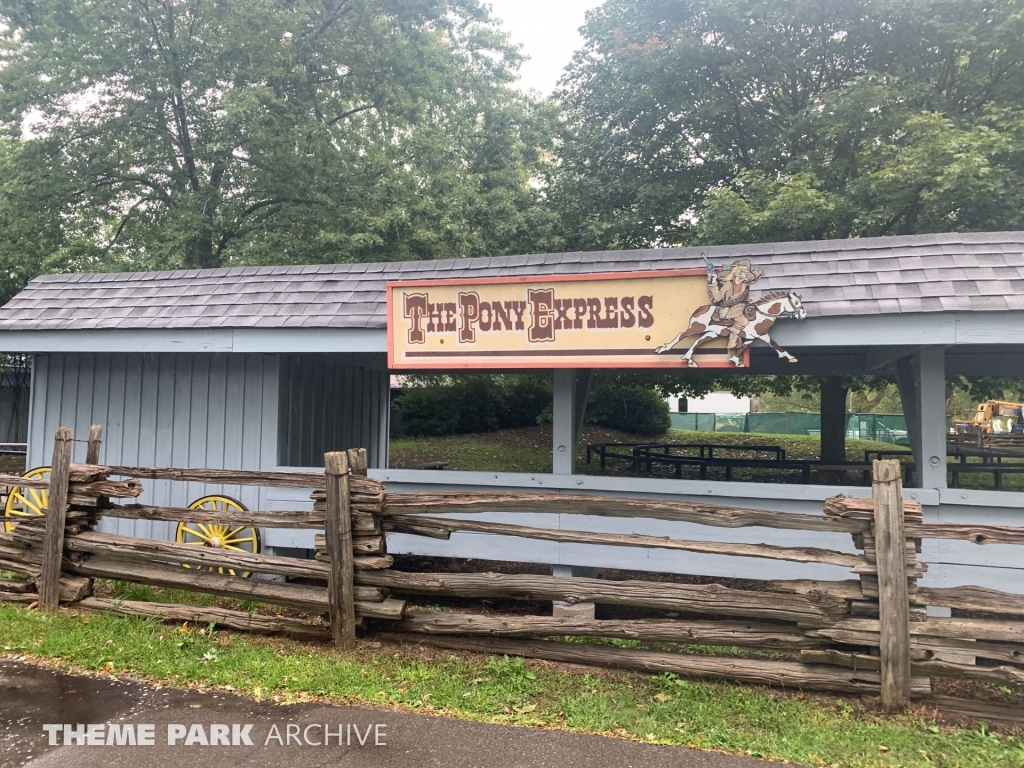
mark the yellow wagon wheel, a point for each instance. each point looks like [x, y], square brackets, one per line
[240, 538]
[26, 502]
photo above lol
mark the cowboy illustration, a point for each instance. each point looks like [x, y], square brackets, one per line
[729, 292]
[734, 314]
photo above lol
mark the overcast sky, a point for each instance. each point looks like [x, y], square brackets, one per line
[548, 32]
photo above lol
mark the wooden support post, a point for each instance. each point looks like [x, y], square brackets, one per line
[56, 509]
[338, 529]
[833, 422]
[92, 454]
[893, 600]
[357, 461]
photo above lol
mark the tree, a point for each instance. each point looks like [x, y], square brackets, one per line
[179, 133]
[730, 121]
[31, 231]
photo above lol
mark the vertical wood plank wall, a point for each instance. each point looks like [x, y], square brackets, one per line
[195, 410]
[314, 417]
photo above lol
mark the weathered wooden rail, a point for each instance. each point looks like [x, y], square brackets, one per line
[63, 552]
[868, 634]
[874, 627]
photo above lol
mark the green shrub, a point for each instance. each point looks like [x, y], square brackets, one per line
[463, 404]
[525, 398]
[630, 407]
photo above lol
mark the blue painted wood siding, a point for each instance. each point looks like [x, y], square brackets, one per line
[192, 410]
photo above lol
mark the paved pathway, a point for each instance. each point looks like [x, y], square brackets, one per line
[31, 697]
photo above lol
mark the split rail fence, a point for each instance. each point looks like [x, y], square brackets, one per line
[866, 635]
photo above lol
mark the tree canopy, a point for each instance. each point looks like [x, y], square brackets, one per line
[731, 121]
[156, 134]
[159, 134]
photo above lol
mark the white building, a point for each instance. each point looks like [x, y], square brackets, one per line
[714, 402]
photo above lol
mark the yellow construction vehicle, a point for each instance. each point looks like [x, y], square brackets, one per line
[994, 416]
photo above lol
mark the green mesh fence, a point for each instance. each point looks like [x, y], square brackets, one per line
[785, 423]
[694, 422]
[732, 422]
[881, 427]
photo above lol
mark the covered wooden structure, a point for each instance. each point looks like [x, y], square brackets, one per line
[269, 367]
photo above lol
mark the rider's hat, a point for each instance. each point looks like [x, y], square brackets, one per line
[743, 268]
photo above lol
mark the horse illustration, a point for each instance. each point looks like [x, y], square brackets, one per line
[761, 316]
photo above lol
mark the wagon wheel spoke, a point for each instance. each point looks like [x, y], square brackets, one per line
[240, 541]
[37, 509]
[240, 538]
[36, 502]
[26, 502]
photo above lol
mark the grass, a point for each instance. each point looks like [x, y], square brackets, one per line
[508, 450]
[663, 709]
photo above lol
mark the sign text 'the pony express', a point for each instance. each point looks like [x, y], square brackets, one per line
[614, 320]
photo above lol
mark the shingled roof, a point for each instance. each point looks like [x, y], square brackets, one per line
[921, 273]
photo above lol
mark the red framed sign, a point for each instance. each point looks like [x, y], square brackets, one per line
[610, 320]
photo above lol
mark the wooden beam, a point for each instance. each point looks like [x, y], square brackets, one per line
[87, 473]
[17, 566]
[24, 598]
[893, 600]
[987, 711]
[849, 589]
[339, 549]
[92, 453]
[727, 633]
[155, 551]
[417, 530]
[977, 534]
[118, 489]
[997, 675]
[970, 598]
[246, 477]
[357, 461]
[604, 506]
[222, 617]
[362, 522]
[23, 482]
[706, 599]
[965, 629]
[74, 588]
[300, 596]
[361, 545]
[363, 562]
[283, 519]
[849, 508]
[793, 554]
[16, 585]
[57, 507]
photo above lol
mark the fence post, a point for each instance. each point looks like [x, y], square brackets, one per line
[357, 461]
[56, 511]
[338, 530]
[893, 600]
[92, 453]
